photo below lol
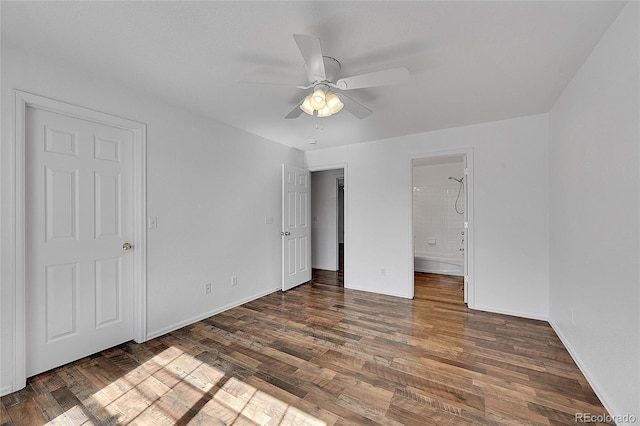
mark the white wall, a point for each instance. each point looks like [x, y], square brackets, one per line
[510, 188]
[594, 204]
[324, 219]
[210, 186]
[437, 226]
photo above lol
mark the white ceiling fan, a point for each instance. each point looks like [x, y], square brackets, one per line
[322, 75]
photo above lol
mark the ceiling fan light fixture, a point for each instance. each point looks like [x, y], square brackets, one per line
[323, 101]
[333, 103]
[324, 112]
[306, 106]
[318, 99]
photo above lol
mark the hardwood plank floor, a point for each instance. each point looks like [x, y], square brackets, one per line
[322, 354]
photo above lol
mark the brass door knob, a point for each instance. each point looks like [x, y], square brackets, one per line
[127, 246]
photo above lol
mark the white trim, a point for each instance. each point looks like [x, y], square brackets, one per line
[337, 182]
[200, 317]
[18, 245]
[140, 233]
[377, 291]
[458, 152]
[585, 371]
[512, 313]
[22, 100]
[327, 167]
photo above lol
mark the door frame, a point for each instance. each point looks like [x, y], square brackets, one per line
[338, 212]
[469, 239]
[22, 101]
[344, 167]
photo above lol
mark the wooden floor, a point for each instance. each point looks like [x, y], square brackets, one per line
[322, 354]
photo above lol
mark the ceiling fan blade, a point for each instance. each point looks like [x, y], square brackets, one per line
[312, 53]
[295, 112]
[354, 107]
[373, 79]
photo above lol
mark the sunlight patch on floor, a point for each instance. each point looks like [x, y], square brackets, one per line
[185, 390]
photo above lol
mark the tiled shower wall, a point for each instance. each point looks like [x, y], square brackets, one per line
[437, 228]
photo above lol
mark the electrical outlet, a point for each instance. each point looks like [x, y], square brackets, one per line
[207, 288]
[382, 272]
[234, 280]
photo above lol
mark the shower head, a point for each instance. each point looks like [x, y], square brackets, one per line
[457, 180]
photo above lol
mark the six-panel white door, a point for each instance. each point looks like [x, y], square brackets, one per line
[296, 230]
[79, 214]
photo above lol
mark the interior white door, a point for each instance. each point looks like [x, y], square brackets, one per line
[79, 219]
[296, 230]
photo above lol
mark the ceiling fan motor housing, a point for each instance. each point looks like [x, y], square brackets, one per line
[331, 70]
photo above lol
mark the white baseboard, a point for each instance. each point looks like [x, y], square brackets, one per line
[510, 313]
[324, 268]
[433, 271]
[585, 371]
[173, 327]
[404, 296]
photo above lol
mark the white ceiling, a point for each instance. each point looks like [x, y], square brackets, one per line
[470, 62]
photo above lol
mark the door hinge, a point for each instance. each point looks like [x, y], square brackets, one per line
[466, 225]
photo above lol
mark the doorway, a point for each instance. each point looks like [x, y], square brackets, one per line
[327, 226]
[440, 225]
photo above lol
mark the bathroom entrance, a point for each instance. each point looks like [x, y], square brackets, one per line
[440, 225]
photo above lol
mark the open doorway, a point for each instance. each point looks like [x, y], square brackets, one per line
[440, 223]
[327, 226]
